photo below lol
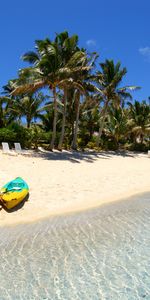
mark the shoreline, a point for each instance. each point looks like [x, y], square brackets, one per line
[75, 211]
[88, 183]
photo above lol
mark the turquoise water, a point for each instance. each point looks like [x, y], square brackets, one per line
[100, 254]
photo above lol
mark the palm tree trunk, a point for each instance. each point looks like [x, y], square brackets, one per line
[54, 120]
[28, 122]
[63, 121]
[104, 112]
[2, 117]
[74, 142]
[1, 121]
[142, 138]
[116, 136]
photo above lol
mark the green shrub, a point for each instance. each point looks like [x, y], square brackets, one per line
[14, 133]
[22, 134]
[91, 145]
[139, 147]
[38, 137]
[7, 135]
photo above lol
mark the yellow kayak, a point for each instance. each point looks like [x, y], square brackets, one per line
[14, 192]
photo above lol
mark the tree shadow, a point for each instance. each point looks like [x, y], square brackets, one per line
[72, 156]
[124, 153]
[17, 207]
[78, 156]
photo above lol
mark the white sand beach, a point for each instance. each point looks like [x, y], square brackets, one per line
[67, 182]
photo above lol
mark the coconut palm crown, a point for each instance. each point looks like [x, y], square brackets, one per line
[108, 86]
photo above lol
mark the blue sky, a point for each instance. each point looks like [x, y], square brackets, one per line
[116, 29]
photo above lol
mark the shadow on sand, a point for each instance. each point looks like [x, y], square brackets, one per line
[78, 156]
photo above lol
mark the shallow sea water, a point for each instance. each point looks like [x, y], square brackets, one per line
[99, 254]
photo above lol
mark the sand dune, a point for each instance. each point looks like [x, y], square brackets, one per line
[69, 181]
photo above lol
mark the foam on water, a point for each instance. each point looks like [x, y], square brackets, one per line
[103, 254]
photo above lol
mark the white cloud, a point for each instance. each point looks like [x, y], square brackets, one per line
[91, 43]
[145, 51]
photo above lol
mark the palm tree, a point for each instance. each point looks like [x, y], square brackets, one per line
[79, 64]
[140, 120]
[85, 87]
[78, 90]
[71, 57]
[5, 117]
[90, 114]
[108, 80]
[48, 68]
[29, 106]
[46, 62]
[117, 124]
[76, 125]
[47, 119]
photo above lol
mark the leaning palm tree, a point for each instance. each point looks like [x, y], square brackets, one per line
[44, 72]
[48, 70]
[108, 80]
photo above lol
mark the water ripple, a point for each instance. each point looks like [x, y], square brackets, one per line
[101, 254]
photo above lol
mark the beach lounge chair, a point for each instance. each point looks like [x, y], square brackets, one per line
[18, 147]
[6, 149]
[19, 150]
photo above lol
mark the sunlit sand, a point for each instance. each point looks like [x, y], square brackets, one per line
[67, 182]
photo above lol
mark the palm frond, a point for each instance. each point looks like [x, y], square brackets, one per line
[31, 57]
[130, 88]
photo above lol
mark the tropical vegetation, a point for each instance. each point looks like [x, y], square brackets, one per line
[66, 99]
